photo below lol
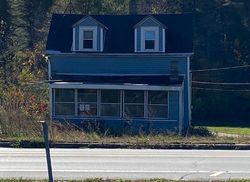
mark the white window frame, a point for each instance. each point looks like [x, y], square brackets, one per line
[81, 37]
[143, 32]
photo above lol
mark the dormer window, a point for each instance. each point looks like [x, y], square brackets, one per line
[149, 35]
[150, 39]
[88, 39]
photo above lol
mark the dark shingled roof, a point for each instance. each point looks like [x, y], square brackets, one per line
[120, 35]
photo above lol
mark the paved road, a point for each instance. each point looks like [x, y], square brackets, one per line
[127, 164]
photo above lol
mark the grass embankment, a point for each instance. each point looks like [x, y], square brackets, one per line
[70, 134]
[242, 131]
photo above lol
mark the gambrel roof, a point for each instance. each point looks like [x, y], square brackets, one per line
[119, 37]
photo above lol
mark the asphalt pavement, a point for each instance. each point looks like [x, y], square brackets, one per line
[126, 164]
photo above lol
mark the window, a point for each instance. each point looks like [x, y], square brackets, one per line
[88, 37]
[133, 103]
[150, 40]
[87, 102]
[64, 102]
[157, 104]
[110, 103]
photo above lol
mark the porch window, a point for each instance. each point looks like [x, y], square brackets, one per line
[64, 102]
[133, 103]
[157, 104]
[87, 102]
[110, 103]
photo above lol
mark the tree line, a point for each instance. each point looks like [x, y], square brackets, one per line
[221, 38]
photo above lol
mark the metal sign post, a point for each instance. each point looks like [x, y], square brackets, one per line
[47, 149]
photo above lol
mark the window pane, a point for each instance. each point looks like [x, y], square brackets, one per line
[150, 35]
[87, 95]
[133, 111]
[157, 97]
[87, 109]
[88, 44]
[149, 44]
[156, 111]
[110, 96]
[64, 109]
[88, 34]
[133, 96]
[110, 110]
[64, 95]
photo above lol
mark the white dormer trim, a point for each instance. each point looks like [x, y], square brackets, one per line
[164, 40]
[91, 18]
[74, 40]
[143, 31]
[149, 17]
[87, 28]
[135, 42]
[101, 39]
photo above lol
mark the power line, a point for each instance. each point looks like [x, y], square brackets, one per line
[221, 90]
[222, 68]
[220, 83]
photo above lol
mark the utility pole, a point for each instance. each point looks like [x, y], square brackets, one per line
[47, 149]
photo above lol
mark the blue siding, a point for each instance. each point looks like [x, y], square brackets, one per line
[114, 65]
[133, 64]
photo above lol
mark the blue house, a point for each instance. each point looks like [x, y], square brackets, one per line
[122, 71]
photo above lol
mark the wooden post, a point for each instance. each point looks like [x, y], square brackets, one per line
[47, 149]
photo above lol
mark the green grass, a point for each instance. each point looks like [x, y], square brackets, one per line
[231, 130]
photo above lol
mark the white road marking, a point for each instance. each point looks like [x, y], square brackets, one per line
[217, 173]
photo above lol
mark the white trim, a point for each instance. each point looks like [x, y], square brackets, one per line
[91, 18]
[180, 112]
[87, 28]
[189, 80]
[135, 42]
[74, 40]
[77, 85]
[101, 40]
[149, 17]
[76, 101]
[149, 54]
[143, 31]
[163, 40]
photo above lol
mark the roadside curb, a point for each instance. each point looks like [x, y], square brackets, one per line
[202, 146]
